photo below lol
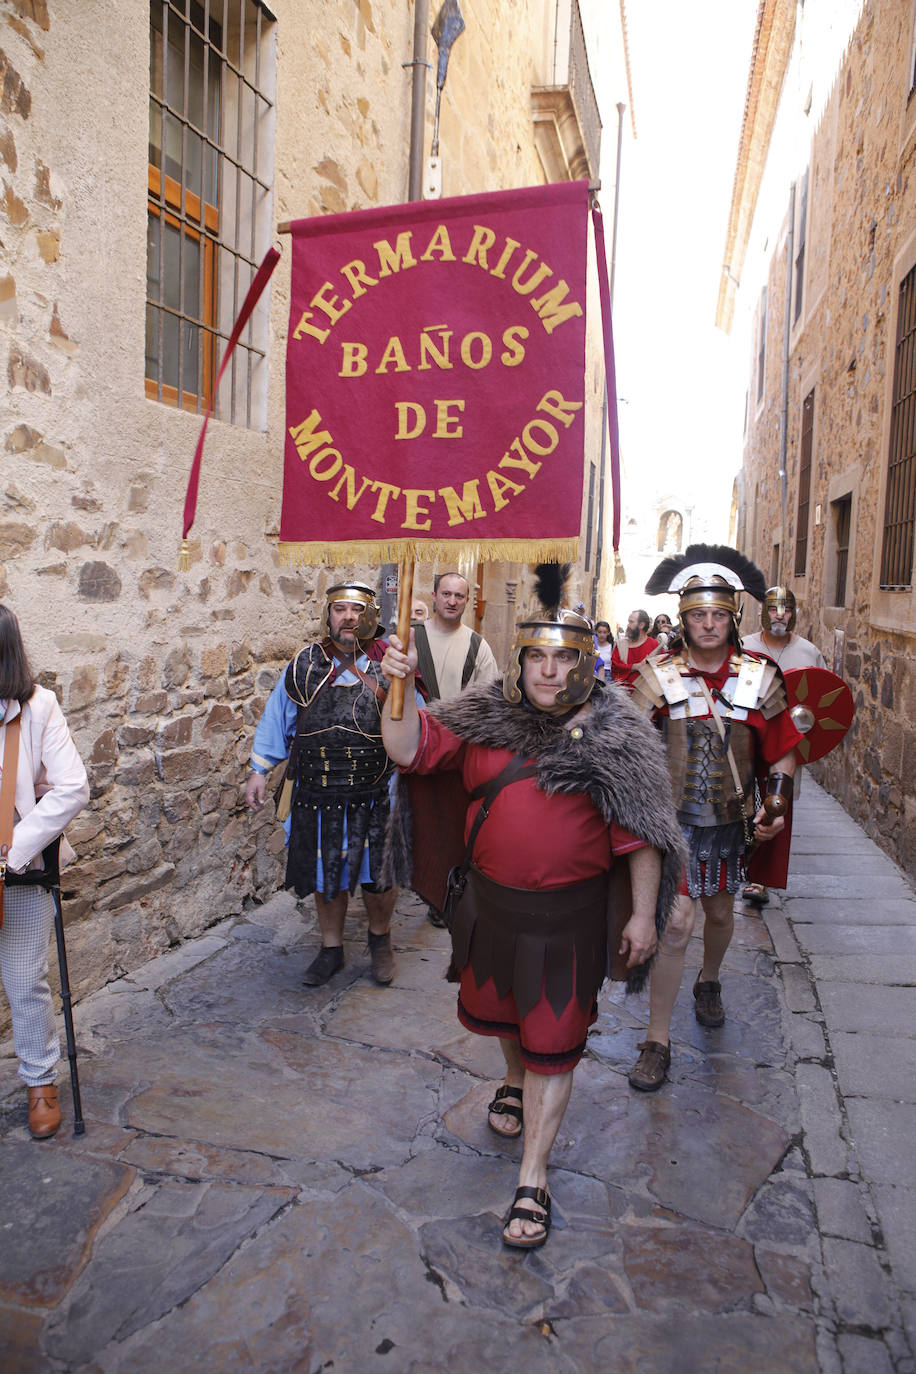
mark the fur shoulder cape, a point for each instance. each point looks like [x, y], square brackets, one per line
[619, 763]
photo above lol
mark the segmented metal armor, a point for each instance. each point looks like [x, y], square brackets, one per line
[340, 773]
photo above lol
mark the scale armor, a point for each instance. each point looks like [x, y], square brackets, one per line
[701, 780]
[340, 772]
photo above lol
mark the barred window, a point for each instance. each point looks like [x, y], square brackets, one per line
[841, 512]
[804, 486]
[900, 507]
[212, 75]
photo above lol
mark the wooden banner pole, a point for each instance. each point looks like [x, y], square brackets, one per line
[405, 606]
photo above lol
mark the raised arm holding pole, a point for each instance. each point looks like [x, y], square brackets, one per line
[405, 602]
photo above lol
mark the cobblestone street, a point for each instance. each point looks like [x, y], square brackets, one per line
[284, 1179]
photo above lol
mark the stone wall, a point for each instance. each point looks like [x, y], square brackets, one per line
[162, 675]
[862, 217]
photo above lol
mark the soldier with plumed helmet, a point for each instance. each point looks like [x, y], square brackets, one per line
[551, 822]
[724, 718]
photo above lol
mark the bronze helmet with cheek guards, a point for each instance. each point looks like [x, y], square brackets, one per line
[367, 626]
[708, 575]
[556, 628]
[779, 599]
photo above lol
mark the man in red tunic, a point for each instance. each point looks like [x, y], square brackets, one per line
[530, 932]
[777, 640]
[632, 647]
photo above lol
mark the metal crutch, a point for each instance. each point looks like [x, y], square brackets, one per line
[51, 880]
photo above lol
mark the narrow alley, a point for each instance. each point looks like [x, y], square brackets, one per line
[288, 1179]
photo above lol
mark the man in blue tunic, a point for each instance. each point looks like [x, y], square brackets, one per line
[324, 716]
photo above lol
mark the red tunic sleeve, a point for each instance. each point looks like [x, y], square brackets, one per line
[776, 737]
[438, 749]
[623, 841]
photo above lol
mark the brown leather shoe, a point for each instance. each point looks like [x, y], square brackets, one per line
[44, 1111]
[381, 957]
[708, 1003]
[328, 961]
[651, 1068]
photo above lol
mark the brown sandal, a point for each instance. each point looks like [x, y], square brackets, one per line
[541, 1199]
[500, 1107]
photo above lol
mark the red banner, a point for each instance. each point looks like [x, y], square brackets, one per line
[435, 380]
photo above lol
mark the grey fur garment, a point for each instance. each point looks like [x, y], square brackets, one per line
[619, 763]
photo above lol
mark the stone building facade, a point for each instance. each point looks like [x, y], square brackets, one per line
[823, 239]
[128, 232]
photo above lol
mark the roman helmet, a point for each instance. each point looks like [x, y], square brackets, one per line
[778, 599]
[367, 626]
[708, 575]
[557, 628]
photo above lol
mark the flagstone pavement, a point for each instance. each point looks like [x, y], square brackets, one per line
[276, 1178]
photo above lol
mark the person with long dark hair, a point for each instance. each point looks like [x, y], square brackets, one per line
[662, 630]
[604, 647]
[51, 788]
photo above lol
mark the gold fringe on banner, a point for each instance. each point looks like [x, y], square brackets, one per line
[431, 551]
[620, 575]
[184, 557]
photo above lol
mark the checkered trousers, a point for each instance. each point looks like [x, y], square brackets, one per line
[29, 916]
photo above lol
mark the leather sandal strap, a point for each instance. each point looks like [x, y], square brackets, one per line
[506, 1109]
[500, 1107]
[538, 1195]
[541, 1219]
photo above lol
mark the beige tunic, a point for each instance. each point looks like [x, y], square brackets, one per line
[449, 649]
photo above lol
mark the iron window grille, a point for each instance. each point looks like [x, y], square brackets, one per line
[842, 526]
[900, 505]
[211, 109]
[804, 486]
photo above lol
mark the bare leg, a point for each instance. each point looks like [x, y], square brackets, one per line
[546, 1097]
[719, 911]
[665, 979]
[515, 1078]
[379, 907]
[331, 915]
[515, 1069]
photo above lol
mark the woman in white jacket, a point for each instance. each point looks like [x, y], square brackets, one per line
[51, 787]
